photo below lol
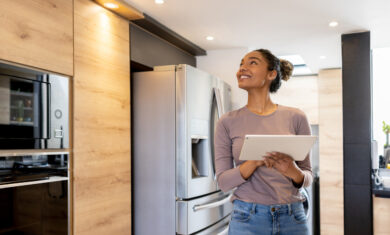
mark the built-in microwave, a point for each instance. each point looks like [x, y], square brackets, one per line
[34, 109]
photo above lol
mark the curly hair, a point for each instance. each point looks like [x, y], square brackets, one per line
[283, 68]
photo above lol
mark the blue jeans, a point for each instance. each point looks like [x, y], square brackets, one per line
[256, 219]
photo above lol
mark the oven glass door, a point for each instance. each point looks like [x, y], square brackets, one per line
[39, 209]
[23, 109]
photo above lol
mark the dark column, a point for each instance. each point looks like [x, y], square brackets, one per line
[356, 69]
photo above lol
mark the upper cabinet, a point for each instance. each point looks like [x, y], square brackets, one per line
[38, 33]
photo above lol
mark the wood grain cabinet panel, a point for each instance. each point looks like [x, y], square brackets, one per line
[300, 92]
[101, 160]
[38, 33]
[331, 152]
[381, 208]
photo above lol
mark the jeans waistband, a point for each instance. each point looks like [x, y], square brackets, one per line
[280, 208]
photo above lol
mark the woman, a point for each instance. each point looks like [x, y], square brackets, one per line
[267, 198]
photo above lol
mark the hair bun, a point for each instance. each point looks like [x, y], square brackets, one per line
[286, 69]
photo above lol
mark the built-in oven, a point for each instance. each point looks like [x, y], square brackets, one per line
[33, 109]
[34, 195]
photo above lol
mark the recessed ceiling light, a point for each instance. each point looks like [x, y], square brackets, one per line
[159, 1]
[333, 24]
[322, 57]
[110, 5]
[210, 38]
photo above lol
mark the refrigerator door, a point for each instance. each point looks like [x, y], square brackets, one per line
[153, 152]
[198, 214]
[194, 97]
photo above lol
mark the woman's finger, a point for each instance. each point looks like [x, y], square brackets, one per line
[283, 156]
[266, 162]
[270, 161]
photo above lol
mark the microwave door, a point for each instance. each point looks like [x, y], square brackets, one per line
[58, 107]
[21, 108]
[33, 109]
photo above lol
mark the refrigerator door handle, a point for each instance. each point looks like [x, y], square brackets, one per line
[212, 204]
[218, 98]
[218, 101]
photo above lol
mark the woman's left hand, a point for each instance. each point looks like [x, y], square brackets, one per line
[285, 164]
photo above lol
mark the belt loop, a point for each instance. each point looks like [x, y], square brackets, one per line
[289, 209]
[253, 211]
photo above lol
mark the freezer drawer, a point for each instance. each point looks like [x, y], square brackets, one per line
[197, 214]
[220, 228]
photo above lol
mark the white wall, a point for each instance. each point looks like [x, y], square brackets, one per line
[224, 64]
[380, 94]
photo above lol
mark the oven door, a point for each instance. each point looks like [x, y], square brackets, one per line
[34, 208]
[24, 112]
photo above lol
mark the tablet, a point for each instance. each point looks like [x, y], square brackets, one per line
[255, 147]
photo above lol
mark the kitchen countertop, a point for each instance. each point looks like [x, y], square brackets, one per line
[379, 191]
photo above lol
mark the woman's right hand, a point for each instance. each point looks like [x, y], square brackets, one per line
[247, 168]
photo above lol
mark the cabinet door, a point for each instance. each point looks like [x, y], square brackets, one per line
[101, 114]
[381, 211]
[38, 33]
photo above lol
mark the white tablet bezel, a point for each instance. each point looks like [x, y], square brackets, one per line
[298, 147]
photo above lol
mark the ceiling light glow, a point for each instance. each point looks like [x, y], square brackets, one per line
[210, 38]
[294, 59]
[333, 24]
[322, 57]
[159, 1]
[110, 5]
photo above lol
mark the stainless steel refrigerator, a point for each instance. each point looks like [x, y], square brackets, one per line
[174, 113]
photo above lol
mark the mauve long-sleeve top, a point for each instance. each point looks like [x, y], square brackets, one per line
[265, 186]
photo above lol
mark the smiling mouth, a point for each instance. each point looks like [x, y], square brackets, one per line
[241, 77]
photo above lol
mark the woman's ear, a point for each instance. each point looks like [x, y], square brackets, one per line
[272, 75]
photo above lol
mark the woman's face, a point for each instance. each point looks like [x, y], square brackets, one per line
[253, 72]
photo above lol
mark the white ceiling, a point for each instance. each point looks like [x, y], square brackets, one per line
[283, 26]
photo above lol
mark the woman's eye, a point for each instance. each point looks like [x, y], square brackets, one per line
[253, 62]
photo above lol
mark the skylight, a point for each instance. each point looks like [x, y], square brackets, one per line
[300, 67]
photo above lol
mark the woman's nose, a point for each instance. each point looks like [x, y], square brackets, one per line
[242, 68]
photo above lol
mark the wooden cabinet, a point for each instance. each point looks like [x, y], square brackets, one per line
[38, 33]
[381, 211]
[101, 109]
[300, 92]
[81, 39]
[331, 152]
